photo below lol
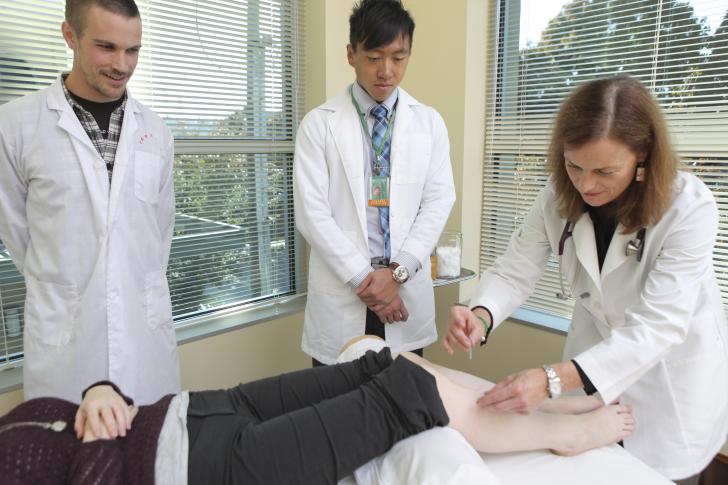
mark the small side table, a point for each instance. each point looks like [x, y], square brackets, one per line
[465, 274]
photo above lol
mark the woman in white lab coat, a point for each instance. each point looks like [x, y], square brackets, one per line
[635, 239]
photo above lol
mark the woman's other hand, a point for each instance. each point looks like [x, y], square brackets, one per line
[464, 330]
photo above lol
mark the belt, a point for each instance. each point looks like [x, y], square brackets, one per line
[378, 263]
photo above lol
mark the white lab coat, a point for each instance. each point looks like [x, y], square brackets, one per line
[330, 206]
[652, 332]
[94, 254]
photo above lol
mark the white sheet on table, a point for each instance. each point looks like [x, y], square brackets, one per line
[439, 456]
[442, 457]
[609, 465]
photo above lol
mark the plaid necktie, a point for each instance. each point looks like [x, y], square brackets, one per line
[379, 112]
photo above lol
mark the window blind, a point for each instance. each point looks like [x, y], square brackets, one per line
[544, 48]
[225, 77]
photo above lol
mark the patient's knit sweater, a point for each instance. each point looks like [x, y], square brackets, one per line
[31, 454]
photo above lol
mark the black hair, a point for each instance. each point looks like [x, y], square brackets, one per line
[376, 23]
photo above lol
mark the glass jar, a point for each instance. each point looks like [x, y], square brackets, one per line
[449, 253]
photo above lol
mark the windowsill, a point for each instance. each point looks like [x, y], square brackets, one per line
[541, 320]
[197, 328]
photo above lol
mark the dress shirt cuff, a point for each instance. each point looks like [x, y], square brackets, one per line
[357, 280]
[407, 260]
[589, 388]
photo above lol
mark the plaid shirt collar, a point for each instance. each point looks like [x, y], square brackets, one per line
[105, 143]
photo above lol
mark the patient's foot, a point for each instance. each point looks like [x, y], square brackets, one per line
[601, 427]
[571, 405]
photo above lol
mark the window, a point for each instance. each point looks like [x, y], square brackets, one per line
[543, 48]
[224, 75]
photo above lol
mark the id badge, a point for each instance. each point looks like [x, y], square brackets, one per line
[379, 192]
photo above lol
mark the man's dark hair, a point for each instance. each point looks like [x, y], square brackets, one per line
[76, 11]
[376, 23]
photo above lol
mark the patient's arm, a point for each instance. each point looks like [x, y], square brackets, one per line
[496, 432]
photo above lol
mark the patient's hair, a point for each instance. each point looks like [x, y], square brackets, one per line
[619, 109]
[376, 23]
[76, 11]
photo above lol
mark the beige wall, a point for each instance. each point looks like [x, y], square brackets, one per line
[9, 400]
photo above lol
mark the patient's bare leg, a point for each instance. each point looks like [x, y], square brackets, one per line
[497, 432]
[563, 405]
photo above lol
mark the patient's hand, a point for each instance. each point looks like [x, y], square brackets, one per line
[103, 414]
[89, 435]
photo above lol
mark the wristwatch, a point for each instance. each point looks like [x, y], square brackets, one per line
[554, 382]
[400, 273]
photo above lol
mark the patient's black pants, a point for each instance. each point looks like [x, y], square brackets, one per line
[313, 426]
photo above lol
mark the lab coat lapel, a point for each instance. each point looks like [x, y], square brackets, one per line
[616, 254]
[400, 156]
[346, 129]
[586, 248]
[91, 164]
[124, 154]
[399, 138]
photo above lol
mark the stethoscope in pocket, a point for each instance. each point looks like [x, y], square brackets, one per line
[634, 246]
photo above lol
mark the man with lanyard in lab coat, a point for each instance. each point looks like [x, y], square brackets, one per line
[87, 212]
[373, 188]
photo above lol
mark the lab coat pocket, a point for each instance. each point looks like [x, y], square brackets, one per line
[147, 176]
[323, 280]
[50, 311]
[157, 299]
[695, 392]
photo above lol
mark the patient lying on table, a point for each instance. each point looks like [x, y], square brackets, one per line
[293, 428]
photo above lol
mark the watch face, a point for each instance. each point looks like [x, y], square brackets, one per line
[556, 388]
[554, 383]
[401, 274]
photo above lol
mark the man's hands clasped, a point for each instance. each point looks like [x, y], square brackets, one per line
[380, 293]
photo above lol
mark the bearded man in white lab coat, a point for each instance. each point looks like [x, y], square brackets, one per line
[87, 212]
[373, 188]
